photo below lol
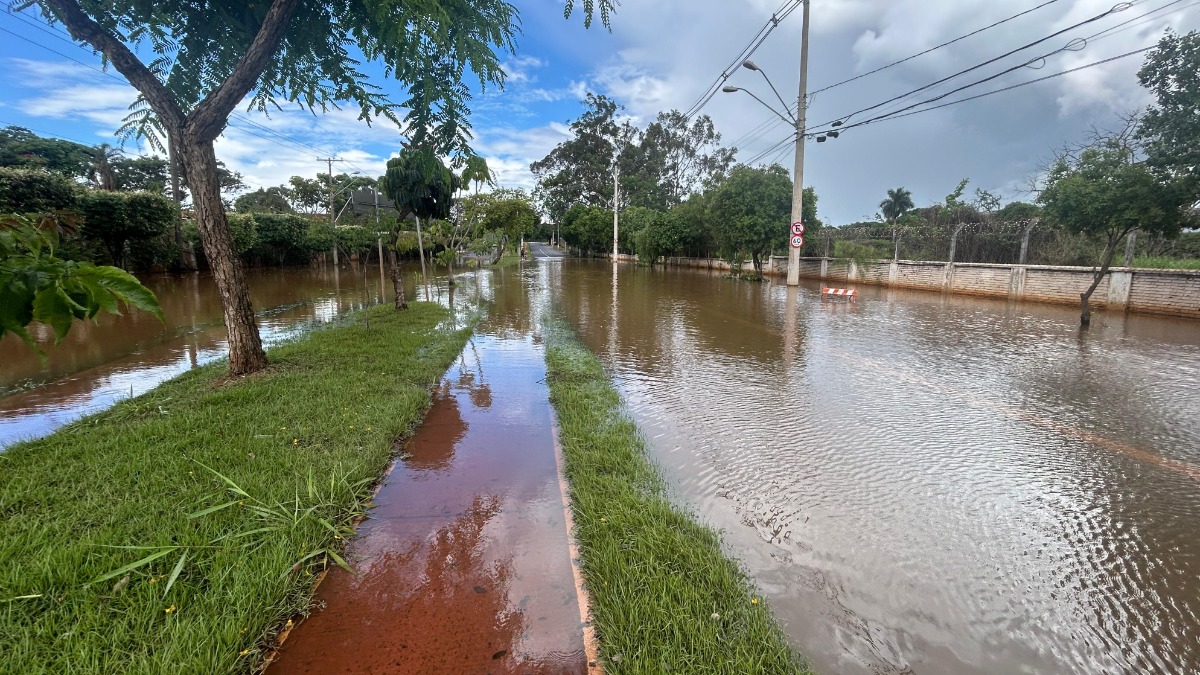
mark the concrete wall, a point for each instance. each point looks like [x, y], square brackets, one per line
[1169, 292]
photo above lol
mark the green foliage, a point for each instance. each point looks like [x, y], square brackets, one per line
[35, 191]
[113, 219]
[21, 148]
[1018, 211]
[513, 218]
[899, 202]
[37, 285]
[750, 210]
[1171, 127]
[579, 170]
[281, 238]
[663, 234]
[1105, 193]
[588, 228]
[263, 200]
[314, 432]
[418, 182]
[475, 170]
[633, 220]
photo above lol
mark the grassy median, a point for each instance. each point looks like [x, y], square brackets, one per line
[177, 531]
[664, 596]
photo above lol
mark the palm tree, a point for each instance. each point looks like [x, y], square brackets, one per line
[899, 202]
[101, 172]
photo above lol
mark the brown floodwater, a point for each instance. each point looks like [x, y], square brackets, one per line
[924, 483]
[102, 362]
[463, 565]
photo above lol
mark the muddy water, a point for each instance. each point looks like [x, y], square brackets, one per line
[102, 362]
[463, 565]
[923, 483]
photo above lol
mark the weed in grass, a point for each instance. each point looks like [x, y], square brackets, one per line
[664, 596]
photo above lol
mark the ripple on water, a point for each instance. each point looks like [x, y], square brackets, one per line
[924, 483]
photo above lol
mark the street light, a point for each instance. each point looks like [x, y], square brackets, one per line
[798, 123]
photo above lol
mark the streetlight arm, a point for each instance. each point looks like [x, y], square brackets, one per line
[781, 101]
[764, 103]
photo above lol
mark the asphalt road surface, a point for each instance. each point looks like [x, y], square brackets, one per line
[540, 250]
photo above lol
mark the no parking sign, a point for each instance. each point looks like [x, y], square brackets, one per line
[797, 228]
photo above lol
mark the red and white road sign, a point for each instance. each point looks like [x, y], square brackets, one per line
[797, 227]
[797, 240]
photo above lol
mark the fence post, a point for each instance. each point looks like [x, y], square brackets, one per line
[1130, 245]
[1025, 241]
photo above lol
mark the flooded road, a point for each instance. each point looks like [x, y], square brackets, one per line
[463, 565]
[924, 483]
[105, 361]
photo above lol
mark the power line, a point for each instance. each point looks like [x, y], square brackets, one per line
[933, 49]
[1116, 8]
[1003, 89]
[777, 17]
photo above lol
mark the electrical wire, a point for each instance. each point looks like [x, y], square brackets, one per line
[1115, 8]
[933, 49]
[777, 17]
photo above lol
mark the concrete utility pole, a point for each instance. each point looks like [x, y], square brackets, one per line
[329, 163]
[793, 275]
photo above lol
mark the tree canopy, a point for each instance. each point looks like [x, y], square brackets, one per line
[754, 205]
[1171, 127]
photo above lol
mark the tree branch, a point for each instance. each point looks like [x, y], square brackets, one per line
[83, 28]
[207, 121]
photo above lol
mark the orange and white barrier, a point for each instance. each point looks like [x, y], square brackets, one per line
[840, 292]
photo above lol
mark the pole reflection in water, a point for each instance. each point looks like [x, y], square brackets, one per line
[921, 482]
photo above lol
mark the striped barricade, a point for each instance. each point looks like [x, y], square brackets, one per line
[840, 292]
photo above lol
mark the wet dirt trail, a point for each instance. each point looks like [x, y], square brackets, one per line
[463, 565]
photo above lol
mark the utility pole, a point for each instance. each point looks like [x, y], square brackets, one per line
[793, 275]
[329, 162]
[616, 207]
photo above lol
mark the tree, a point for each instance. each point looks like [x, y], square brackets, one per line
[21, 148]
[101, 173]
[35, 191]
[209, 57]
[751, 208]
[662, 234]
[37, 285]
[1105, 193]
[587, 228]
[674, 159]
[899, 202]
[418, 183]
[579, 170]
[1171, 128]
[263, 200]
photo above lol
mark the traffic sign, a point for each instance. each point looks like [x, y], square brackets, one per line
[797, 240]
[797, 227]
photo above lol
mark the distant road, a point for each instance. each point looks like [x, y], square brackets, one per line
[540, 250]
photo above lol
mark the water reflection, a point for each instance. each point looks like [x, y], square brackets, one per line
[463, 563]
[925, 483]
[115, 357]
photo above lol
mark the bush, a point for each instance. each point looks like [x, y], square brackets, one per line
[35, 191]
[114, 219]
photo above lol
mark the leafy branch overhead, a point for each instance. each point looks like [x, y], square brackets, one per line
[37, 285]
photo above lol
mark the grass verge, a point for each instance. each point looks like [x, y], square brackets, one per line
[241, 489]
[664, 596]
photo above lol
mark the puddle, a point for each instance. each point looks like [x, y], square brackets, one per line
[463, 566]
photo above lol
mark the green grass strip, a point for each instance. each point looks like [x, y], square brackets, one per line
[1167, 263]
[664, 596]
[227, 496]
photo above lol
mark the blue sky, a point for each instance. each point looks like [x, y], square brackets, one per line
[663, 54]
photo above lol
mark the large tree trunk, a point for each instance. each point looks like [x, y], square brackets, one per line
[1085, 312]
[246, 353]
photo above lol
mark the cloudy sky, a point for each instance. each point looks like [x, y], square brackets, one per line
[664, 54]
